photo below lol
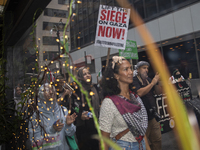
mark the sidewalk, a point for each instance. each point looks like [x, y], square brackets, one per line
[169, 141]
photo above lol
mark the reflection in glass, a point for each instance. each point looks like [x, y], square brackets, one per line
[151, 8]
[164, 5]
[182, 56]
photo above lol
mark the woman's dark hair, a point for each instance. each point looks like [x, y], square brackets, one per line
[109, 84]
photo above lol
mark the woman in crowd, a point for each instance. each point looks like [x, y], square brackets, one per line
[51, 123]
[84, 123]
[123, 116]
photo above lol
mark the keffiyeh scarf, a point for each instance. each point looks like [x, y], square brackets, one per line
[133, 113]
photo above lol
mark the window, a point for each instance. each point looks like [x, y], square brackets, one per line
[48, 40]
[63, 1]
[49, 25]
[177, 2]
[55, 13]
[182, 56]
[164, 5]
[49, 55]
[139, 7]
[90, 6]
[151, 8]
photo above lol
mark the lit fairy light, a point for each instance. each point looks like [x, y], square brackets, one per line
[47, 109]
[57, 93]
[61, 47]
[44, 102]
[48, 118]
[56, 85]
[66, 36]
[61, 99]
[69, 112]
[58, 71]
[78, 98]
[41, 66]
[88, 80]
[91, 93]
[57, 80]
[76, 87]
[57, 40]
[51, 82]
[83, 105]
[52, 62]
[71, 67]
[63, 65]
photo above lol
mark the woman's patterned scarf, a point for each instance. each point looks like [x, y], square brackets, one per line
[133, 113]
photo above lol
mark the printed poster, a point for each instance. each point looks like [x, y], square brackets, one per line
[112, 27]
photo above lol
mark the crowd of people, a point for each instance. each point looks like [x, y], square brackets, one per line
[124, 104]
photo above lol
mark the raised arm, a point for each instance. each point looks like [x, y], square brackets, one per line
[144, 90]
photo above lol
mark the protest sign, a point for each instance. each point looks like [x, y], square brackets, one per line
[130, 51]
[184, 90]
[167, 122]
[112, 27]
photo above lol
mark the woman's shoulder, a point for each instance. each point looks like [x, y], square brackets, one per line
[107, 101]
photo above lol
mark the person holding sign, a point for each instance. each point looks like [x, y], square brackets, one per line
[145, 88]
[123, 116]
[176, 76]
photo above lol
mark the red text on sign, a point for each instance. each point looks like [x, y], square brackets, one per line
[112, 15]
[111, 32]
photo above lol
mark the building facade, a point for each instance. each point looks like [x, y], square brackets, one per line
[174, 26]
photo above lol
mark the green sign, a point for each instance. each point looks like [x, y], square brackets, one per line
[130, 51]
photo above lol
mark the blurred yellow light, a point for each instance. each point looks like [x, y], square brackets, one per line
[52, 62]
[69, 111]
[57, 40]
[88, 80]
[91, 93]
[71, 67]
[66, 35]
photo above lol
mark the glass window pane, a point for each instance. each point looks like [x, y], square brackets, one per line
[164, 5]
[48, 40]
[90, 6]
[86, 36]
[182, 56]
[177, 2]
[139, 7]
[151, 8]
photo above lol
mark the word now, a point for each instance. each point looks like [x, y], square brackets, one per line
[112, 15]
[112, 32]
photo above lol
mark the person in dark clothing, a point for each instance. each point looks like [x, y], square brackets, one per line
[145, 88]
[63, 93]
[85, 125]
